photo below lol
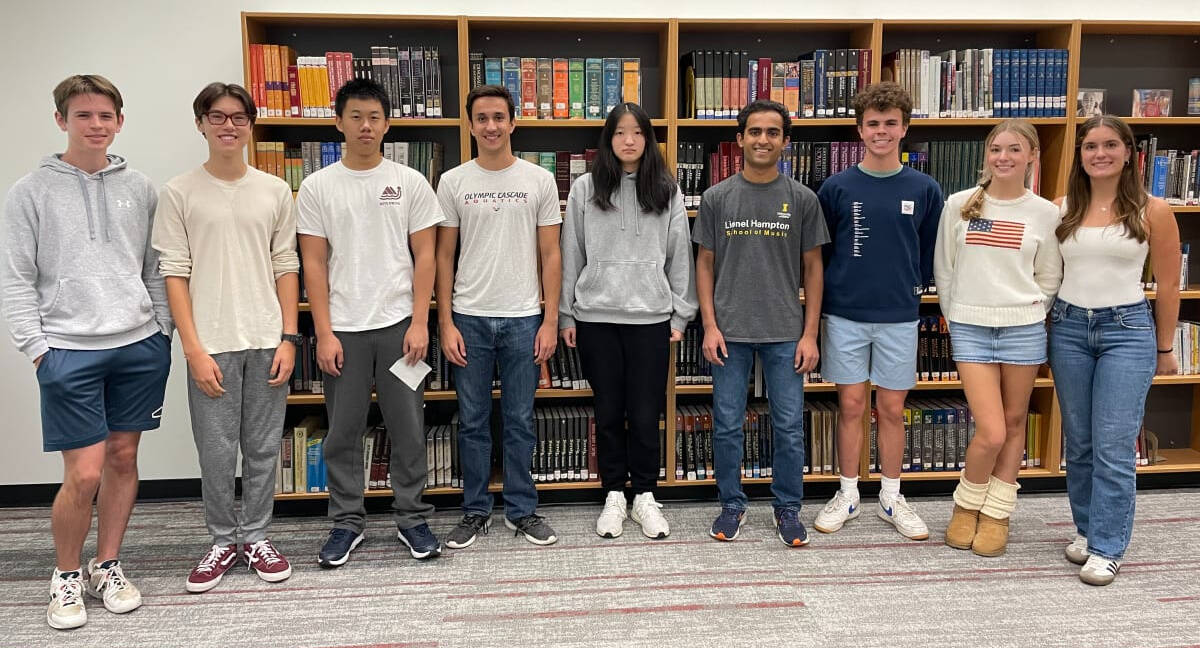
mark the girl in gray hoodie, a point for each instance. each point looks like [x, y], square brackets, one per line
[628, 292]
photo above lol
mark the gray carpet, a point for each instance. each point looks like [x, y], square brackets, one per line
[863, 586]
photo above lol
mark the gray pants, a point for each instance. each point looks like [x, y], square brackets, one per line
[249, 416]
[367, 357]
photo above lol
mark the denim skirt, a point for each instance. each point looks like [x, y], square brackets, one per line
[1015, 345]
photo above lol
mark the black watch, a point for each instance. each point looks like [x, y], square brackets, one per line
[296, 340]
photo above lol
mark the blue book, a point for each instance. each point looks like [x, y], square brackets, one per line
[1043, 74]
[593, 88]
[820, 84]
[612, 85]
[1022, 79]
[1063, 60]
[1004, 87]
[1158, 182]
[510, 72]
[312, 462]
[997, 70]
[492, 71]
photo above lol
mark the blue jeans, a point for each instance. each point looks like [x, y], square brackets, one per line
[509, 341]
[1103, 361]
[786, 395]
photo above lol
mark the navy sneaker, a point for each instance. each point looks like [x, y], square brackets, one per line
[728, 524]
[338, 546]
[421, 542]
[791, 529]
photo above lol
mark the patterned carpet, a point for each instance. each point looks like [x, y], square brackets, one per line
[863, 586]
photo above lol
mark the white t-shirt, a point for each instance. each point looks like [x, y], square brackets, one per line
[498, 213]
[367, 217]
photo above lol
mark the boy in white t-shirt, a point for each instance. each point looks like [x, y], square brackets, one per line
[504, 212]
[367, 242]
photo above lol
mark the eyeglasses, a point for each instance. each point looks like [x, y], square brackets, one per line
[216, 118]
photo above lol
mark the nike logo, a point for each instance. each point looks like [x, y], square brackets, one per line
[851, 509]
[888, 511]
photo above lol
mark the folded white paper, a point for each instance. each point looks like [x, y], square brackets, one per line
[410, 375]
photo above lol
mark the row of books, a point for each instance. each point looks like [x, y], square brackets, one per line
[561, 88]
[286, 85]
[821, 83]
[565, 166]
[293, 163]
[694, 442]
[1171, 174]
[981, 82]
[1186, 347]
[691, 367]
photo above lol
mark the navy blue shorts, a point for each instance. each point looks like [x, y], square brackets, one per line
[85, 394]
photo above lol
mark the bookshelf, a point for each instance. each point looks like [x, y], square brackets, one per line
[1093, 61]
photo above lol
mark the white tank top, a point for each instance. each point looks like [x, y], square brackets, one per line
[1102, 266]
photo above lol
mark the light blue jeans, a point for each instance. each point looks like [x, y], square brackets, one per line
[785, 390]
[1103, 361]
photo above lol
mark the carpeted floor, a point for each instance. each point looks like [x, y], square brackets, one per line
[864, 586]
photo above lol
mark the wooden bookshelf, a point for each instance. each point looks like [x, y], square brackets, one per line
[1092, 62]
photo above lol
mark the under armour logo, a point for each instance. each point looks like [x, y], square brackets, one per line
[157, 413]
[124, 203]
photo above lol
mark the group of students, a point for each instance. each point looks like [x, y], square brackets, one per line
[99, 270]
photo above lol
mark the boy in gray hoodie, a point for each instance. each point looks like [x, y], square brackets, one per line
[83, 300]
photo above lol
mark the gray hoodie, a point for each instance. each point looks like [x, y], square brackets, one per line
[624, 266]
[78, 271]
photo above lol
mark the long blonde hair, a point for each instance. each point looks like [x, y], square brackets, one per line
[974, 205]
[1131, 195]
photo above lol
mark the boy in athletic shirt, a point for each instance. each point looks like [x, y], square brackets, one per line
[504, 213]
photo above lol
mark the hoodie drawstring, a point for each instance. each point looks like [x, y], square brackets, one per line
[87, 203]
[104, 216]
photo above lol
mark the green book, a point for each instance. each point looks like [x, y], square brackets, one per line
[575, 88]
[593, 88]
[546, 160]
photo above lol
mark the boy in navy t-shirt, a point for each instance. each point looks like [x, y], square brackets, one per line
[883, 220]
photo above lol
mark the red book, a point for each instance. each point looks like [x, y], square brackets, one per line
[257, 88]
[764, 78]
[714, 168]
[293, 91]
[864, 68]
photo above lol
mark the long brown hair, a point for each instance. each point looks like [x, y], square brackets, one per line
[1131, 195]
[974, 205]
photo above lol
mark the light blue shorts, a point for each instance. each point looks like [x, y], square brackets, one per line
[852, 352]
[1015, 345]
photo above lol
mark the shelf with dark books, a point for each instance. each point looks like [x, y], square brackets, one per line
[799, 123]
[329, 121]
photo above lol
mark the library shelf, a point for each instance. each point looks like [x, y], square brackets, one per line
[329, 121]
[493, 487]
[442, 395]
[661, 41]
[937, 475]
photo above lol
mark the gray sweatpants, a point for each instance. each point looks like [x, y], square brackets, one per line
[367, 357]
[248, 416]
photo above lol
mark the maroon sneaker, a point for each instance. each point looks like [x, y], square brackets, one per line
[212, 567]
[262, 557]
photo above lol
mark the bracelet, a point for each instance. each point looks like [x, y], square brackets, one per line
[1167, 351]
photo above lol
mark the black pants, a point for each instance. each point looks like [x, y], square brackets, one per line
[626, 365]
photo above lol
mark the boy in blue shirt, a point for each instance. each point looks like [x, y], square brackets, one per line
[883, 220]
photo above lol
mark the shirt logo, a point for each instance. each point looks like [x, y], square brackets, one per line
[907, 207]
[995, 233]
[783, 211]
[123, 203]
[390, 194]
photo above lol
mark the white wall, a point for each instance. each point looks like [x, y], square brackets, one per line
[160, 52]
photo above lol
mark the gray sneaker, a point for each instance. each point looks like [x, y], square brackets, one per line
[462, 535]
[535, 529]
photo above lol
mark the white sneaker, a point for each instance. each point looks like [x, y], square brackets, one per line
[1099, 570]
[611, 522]
[901, 515]
[66, 601]
[108, 583]
[646, 513]
[1077, 552]
[839, 509]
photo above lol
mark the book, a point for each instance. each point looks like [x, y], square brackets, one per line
[1089, 102]
[1155, 102]
[1193, 96]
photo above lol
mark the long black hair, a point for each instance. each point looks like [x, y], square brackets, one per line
[655, 186]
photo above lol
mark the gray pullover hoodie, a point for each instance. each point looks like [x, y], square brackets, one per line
[78, 271]
[624, 266]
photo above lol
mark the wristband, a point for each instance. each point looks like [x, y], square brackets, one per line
[1167, 351]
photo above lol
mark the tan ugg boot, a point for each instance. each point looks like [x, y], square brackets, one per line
[991, 534]
[968, 499]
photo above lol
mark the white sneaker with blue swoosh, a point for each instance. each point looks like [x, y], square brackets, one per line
[901, 515]
[839, 509]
